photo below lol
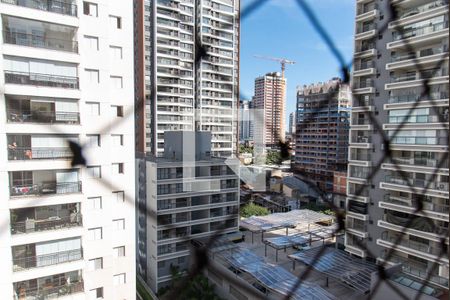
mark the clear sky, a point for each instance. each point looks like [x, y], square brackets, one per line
[280, 29]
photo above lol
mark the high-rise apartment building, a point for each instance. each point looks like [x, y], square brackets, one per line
[66, 74]
[321, 139]
[192, 194]
[387, 82]
[245, 120]
[269, 103]
[292, 123]
[174, 90]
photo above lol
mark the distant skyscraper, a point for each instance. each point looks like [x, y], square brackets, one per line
[269, 99]
[245, 120]
[387, 82]
[173, 91]
[292, 123]
[321, 142]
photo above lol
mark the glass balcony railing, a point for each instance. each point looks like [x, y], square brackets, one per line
[61, 7]
[419, 140]
[417, 183]
[417, 119]
[361, 121]
[29, 153]
[413, 203]
[419, 54]
[430, 249]
[49, 291]
[420, 9]
[39, 41]
[417, 76]
[416, 97]
[38, 79]
[46, 188]
[364, 65]
[364, 84]
[360, 139]
[44, 117]
[366, 28]
[426, 162]
[30, 262]
[51, 223]
[419, 31]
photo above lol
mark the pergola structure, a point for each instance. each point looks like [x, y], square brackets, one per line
[338, 264]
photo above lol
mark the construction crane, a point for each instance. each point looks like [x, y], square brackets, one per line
[283, 62]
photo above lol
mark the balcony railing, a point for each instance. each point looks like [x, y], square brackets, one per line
[420, 9]
[48, 80]
[427, 162]
[50, 292]
[365, 65]
[45, 188]
[25, 263]
[413, 203]
[425, 75]
[417, 183]
[418, 31]
[361, 139]
[417, 119]
[28, 153]
[416, 97]
[364, 84]
[366, 28]
[361, 121]
[423, 53]
[60, 7]
[411, 244]
[45, 117]
[39, 41]
[419, 140]
[52, 223]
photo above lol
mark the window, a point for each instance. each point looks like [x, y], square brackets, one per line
[117, 168]
[95, 234]
[119, 279]
[93, 108]
[91, 42]
[119, 251]
[115, 21]
[116, 52]
[95, 264]
[90, 9]
[96, 293]
[119, 196]
[119, 224]
[92, 76]
[117, 139]
[117, 82]
[93, 140]
[95, 203]
[94, 171]
[118, 110]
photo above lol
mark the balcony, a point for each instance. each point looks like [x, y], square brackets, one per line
[419, 140]
[418, 119]
[37, 79]
[49, 287]
[60, 7]
[420, 54]
[418, 183]
[420, 9]
[29, 153]
[419, 31]
[37, 261]
[42, 117]
[426, 74]
[433, 248]
[428, 204]
[39, 41]
[414, 97]
[419, 161]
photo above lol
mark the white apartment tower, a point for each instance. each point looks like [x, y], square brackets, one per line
[387, 82]
[180, 92]
[66, 73]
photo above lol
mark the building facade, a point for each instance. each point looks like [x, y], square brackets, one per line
[387, 83]
[292, 123]
[270, 104]
[193, 194]
[321, 139]
[175, 90]
[66, 74]
[245, 121]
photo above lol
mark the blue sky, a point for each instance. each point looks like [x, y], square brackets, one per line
[280, 29]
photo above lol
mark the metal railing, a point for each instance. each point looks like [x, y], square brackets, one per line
[419, 140]
[38, 79]
[30, 262]
[417, 119]
[39, 41]
[417, 183]
[60, 7]
[413, 202]
[47, 188]
[52, 223]
[422, 8]
[416, 97]
[418, 31]
[29, 153]
[44, 117]
[49, 292]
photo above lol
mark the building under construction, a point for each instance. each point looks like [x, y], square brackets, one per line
[322, 130]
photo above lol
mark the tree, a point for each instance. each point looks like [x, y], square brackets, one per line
[274, 158]
[199, 288]
[244, 149]
[252, 209]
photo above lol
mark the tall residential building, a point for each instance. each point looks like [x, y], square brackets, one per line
[192, 194]
[387, 82]
[66, 73]
[245, 121]
[321, 139]
[176, 92]
[269, 103]
[292, 123]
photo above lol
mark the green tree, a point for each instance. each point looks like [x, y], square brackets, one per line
[274, 158]
[252, 209]
[243, 149]
[199, 288]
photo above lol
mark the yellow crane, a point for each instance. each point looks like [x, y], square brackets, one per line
[283, 62]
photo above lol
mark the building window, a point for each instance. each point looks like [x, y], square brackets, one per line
[119, 279]
[117, 168]
[119, 196]
[117, 110]
[116, 52]
[91, 42]
[119, 251]
[119, 224]
[92, 76]
[95, 203]
[95, 234]
[117, 82]
[93, 108]
[90, 9]
[94, 171]
[117, 139]
[115, 21]
[96, 293]
[95, 264]
[93, 140]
